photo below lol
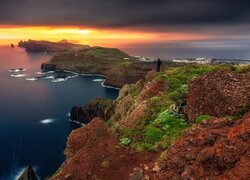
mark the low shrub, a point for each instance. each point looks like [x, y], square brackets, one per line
[153, 134]
[201, 118]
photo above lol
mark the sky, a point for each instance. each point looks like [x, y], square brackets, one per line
[108, 22]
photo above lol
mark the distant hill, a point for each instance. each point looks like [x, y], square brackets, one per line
[50, 47]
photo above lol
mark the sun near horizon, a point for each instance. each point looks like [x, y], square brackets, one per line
[91, 36]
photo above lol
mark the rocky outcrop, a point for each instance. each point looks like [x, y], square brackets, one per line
[218, 148]
[49, 47]
[134, 100]
[28, 174]
[99, 107]
[92, 153]
[218, 93]
[48, 67]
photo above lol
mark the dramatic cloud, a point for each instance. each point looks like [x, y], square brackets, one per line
[125, 13]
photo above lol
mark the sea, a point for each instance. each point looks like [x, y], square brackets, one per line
[214, 49]
[34, 112]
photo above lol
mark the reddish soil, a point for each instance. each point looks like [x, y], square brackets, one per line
[92, 153]
[219, 148]
[218, 93]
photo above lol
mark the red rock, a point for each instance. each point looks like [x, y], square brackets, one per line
[218, 93]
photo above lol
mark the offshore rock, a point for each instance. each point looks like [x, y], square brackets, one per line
[48, 67]
[28, 174]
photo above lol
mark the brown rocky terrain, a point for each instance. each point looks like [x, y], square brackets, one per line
[219, 93]
[218, 148]
[92, 153]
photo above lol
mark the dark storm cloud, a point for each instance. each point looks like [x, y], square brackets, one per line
[125, 13]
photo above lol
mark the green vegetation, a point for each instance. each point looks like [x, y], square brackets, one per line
[101, 52]
[201, 118]
[160, 133]
[153, 134]
[163, 125]
[125, 141]
[165, 120]
[180, 77]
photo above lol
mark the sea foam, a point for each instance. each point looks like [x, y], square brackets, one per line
[99, 80]
[47, 121]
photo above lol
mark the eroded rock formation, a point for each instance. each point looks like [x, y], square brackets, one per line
[99, 107]
[218, 93]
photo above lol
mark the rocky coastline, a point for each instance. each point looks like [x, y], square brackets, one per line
[187, 122]
[216, 147]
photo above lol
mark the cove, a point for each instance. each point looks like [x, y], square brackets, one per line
[34, 122]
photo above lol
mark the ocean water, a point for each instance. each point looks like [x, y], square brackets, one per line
[220, 49]
[34, 122]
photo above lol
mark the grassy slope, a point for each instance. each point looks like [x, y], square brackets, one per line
[163, 126]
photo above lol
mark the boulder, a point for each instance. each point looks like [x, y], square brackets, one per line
[28, 174]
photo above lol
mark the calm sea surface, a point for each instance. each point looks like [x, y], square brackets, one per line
[34, 122]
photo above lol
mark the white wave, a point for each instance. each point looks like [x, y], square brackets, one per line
[69, 77]
[17, 70]
[49, 77]
[99, 80]
[46, 72]
[31, 79]
[68, 114]
[59, 80]
[18, 75]
[76, 122]
[84, 74]
[19, 173]
[111, 87]
[47, 121]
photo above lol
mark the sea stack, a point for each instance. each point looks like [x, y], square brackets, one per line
[28, 174]
[12, 45]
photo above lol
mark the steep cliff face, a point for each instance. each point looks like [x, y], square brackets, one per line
[148, 136]
[99, 107]
[92, 153]
[134, 100]
[218, 93]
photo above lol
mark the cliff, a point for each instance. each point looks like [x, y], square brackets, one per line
[151, 134]
[98, 107]
[49, 47]
[118, 67]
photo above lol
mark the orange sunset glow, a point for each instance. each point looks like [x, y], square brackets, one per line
[104, 37]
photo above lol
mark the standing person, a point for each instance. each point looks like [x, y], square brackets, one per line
[158, 63]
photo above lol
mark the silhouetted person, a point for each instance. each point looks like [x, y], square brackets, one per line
[158, 63]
